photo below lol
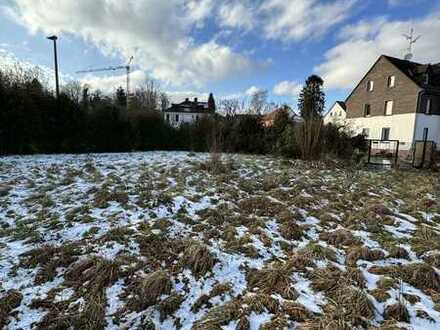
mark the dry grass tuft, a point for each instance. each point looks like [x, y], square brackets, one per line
[291, 230]
[340, 238]
[419, 275]
[11, 300]
[170, 305]
[147, 291]
[198, 258]
[330, 279]
[279, 322]
[348, 308]
[261, 206]
[260, 303]
[296, 312]
[273, 278]
[424, 240]
[49, 258]
[397, 312]
[317, 251]
[363, 253]
[219, 316]
[398, 252]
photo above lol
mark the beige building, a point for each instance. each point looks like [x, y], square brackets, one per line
[397, 100]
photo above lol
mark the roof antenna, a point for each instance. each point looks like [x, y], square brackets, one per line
[411, 40]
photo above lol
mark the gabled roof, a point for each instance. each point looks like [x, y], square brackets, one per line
[417, 72]
[341, 104]
[414, 71]
[188, 106]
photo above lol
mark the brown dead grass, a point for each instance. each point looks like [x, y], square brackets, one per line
[273, 278]
[49, 258]
[362, 253]
[340, 238]
[197, 258]
[261, 206]
[147, 291]
[397, 312]
[10, 300]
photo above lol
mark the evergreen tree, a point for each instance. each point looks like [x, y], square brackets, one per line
[311, 101]
[121, 97]
[211, 103]
[311, 104]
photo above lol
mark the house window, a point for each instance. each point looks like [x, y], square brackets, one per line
[367, 110]
[370, 85]
[385, 134]
[366, 132]
[391, 81]
[425, 134]
[197, 117]
[389, 108]
[168, 117]
[177, 118]
[428, 106]
[427, 78]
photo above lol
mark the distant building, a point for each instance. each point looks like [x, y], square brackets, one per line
[188, 112]
[397, 100]
[336, 115]
[268, 119]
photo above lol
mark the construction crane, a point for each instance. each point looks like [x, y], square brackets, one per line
[126, 67]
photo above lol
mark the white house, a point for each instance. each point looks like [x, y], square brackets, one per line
[188, 112]
[397, 100]
[336, 115]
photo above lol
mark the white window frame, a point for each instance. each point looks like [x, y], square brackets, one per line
[389, 110]
[428, 106]
[365, 108]
[391, 81]
[382, 133]
[370, 85]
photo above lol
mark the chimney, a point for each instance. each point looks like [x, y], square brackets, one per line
[187, 100]
[195, 100]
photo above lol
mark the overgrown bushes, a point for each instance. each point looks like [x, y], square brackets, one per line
[32, 120]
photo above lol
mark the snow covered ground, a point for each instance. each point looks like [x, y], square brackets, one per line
[169, 240]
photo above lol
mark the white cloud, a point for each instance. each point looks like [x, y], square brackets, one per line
[363, 43]
[237, 15]
[156, 32]
[300, 19]
[108, 84]
[252, 90]
[287, 88]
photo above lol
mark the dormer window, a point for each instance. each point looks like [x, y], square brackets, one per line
[391, 81]
[370, 85]
[428, 106]
[426, 78]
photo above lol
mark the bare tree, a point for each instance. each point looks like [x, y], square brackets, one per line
[258, 103]
[233, 106]
[150, 96]
[73, 90]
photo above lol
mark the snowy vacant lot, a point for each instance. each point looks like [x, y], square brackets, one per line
[170, 240]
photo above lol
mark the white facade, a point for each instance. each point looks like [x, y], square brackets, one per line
[432, 123]
[336, 115]
[407, 128]
[176, 119]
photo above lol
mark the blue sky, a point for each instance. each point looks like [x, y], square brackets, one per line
[228, 47]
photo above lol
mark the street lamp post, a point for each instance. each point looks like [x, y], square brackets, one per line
[57, 83]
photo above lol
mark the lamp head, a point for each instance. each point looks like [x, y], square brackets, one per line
[52, 38]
